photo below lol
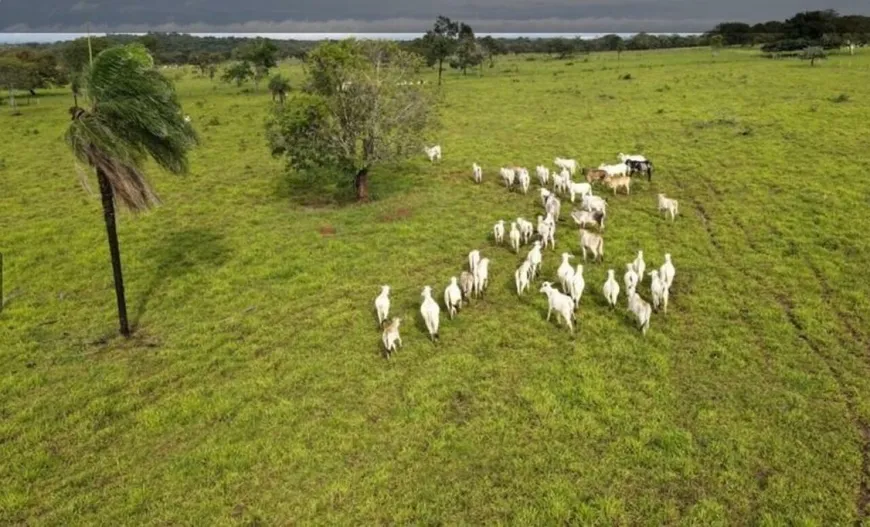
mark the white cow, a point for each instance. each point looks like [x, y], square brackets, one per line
[477, 173]
[431, 313]
[611, 288]
[562, 303]
[433, 153]
[566, 164]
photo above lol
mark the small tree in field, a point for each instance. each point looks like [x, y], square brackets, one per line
[14, 74]
[357, 111]
[716, 43]
[813, 53]
[238, 73]
[440, 42]
[278, 87]
[132, 114]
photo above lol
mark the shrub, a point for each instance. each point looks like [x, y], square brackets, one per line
[626, 77]
[843, 97]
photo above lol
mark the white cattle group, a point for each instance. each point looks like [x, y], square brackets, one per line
[565, 299]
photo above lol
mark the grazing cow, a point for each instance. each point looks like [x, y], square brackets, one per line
[632, 157]
[477, 173]
[382, 305]
[545, 195]
[566, 164]
[473, 260]
[553, 207]
[453, 297]
[565, 271]
[589, 241]
[667, 271]
[611, 288]
[523, 179]
[659, 291]
[534, 257]
[498, 232]
[640, 167]
[481, 277]
[668, 206]
[594, 174]
[618, 182]
[620, 169]
[641, 309]
[594, 204]
[391, 337]
[543, 174]
[562, 303]
[466, 283]
[630, 278]
[431, 313]
[515, 237]
[585, 218]
[581, 189]
[522, 277]
[433, 153]
[639, 266]
[526, 229]
[577, 285]
[508, 175]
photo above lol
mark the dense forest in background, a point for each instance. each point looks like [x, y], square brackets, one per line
[34, 66]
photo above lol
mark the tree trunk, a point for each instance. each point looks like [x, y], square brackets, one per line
[114, 250]
[361, 184]
[440, 67]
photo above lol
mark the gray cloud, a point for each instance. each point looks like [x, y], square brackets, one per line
[391, 16]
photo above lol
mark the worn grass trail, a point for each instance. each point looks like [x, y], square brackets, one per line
[254, 390]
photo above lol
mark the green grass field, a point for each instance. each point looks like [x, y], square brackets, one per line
[254, 390]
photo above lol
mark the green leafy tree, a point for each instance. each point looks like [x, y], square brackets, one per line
[492, 47]
[76, 55]
[261, 54]
[716, 43]
[814, 53]
[469, 54]
[440, 42]
[132, 113]
[614, 43]
[279, 86]
[357, 112]
[238, 72]
[15, 74]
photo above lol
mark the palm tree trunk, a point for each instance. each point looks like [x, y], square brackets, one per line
[114, 250]
[361, 184]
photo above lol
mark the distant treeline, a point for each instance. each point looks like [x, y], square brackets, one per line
[32, 66]
[827, 29]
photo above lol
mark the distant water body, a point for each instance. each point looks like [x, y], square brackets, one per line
[22, 38]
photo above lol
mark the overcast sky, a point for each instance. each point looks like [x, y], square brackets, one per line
[388, 16]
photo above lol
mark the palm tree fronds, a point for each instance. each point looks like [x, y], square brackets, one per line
[134, 114]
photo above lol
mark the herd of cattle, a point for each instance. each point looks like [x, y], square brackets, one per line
[591, 214]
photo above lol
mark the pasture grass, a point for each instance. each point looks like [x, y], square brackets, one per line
[254, 390]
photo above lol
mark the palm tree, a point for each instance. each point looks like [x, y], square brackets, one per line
[132, 114]
[279, 86]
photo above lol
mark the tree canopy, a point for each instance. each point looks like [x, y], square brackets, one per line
[238, 72]
[358, 110]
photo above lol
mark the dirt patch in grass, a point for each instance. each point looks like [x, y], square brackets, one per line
[397, 215]
[326, 230]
